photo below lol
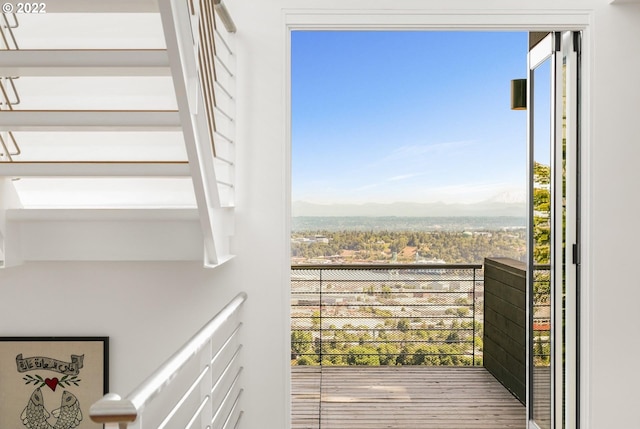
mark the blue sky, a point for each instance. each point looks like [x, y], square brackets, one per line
[406, 116]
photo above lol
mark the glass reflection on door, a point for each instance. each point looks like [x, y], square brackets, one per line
[541, 298]
[553, 225]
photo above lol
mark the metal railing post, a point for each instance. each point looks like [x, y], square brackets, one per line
[473, 354]
[320, 320]
[320, 358]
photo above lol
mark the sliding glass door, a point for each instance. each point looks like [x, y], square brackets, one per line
[552, 246]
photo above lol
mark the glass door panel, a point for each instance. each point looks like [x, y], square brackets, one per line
[568, 221]
[540, 248]
[553, 219]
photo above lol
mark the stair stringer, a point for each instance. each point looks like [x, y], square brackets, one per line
[216, 221]
[9, 234]
[127, 234]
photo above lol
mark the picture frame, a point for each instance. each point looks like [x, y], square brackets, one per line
[51, 382]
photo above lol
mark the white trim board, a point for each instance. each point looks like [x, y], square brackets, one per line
[437, 19]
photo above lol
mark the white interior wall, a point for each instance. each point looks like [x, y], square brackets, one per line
[611, 219]
[609, 207]
[148, 309]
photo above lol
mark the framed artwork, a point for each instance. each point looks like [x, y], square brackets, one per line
[50, 382]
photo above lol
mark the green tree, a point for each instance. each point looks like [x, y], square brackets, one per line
[363, 355]
[388, 354]
[315, 319]
[426, 355]
[462, 311]
[301, 342]
[541, 229]
[403, 325]
[306, 360]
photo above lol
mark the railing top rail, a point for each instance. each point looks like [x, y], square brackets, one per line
[541, 266]
[112, 409]
[386, 267]
[9, 30]
[224, 15]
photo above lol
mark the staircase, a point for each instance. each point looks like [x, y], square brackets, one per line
[117, 132]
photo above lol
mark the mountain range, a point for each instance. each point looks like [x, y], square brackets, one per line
[493, 207]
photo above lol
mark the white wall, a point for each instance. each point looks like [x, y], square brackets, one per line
[610, 206]
[613, 218]
[147, 309]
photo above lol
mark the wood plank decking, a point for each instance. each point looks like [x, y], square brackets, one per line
[406, 397]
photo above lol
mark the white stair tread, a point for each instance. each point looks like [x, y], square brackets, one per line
[94, 169]
[105, 192]
[101, 146]
[52, 214]
[101, 6]
[89, 120]
[84, 62]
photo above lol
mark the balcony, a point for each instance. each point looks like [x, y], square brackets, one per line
[403, 397]
[396, 346]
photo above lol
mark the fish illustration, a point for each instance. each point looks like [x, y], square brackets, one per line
[69, 414]
[35, 415]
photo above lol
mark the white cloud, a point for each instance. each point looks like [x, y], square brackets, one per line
[413, 150]
[404, 177]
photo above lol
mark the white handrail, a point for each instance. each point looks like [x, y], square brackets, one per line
[224, 15]
[113, 409]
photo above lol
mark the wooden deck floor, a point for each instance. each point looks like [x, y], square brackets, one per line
[406, 397]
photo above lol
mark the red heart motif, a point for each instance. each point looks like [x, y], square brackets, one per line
[52, 383]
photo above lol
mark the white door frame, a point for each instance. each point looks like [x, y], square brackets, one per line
[438, 19]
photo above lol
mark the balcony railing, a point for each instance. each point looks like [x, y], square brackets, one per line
[387, 314]
[541, 315]
[505, 322]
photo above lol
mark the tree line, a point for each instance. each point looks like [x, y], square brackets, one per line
[383, 246]
[393, 344]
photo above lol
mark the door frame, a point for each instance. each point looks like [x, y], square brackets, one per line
[443, 19]
[556, 47]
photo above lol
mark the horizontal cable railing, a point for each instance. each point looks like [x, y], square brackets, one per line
[9, 22]
[8, 144]
[386, 314]
[199, 386]
[211, 27]
[216, 63]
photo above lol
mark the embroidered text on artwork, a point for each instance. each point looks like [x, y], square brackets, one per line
[40, 362]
